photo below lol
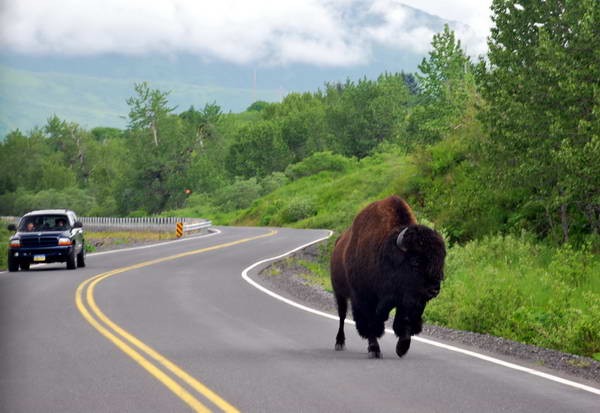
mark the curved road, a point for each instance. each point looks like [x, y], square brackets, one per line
[174, 328]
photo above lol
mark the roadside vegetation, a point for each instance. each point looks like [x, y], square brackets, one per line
[117, 239]
[4, 234]
[502, 156]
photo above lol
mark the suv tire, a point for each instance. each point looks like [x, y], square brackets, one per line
[13, 265]
[71, 261]
[81, 257]
[24, 266]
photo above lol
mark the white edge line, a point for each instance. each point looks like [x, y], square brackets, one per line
[422, 340]
[215, 231]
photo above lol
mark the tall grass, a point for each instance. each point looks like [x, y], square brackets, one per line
[4, 236]
[523, 290]
[329, 199]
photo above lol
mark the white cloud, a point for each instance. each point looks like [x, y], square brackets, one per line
[259, 31]
[474, 14]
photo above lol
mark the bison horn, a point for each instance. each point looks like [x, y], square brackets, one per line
[400, 239]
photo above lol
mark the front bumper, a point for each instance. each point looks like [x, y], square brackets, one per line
[40, 255]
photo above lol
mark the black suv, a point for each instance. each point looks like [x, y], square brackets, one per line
[53, 235]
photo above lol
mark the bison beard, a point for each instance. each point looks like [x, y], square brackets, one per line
[385, 261]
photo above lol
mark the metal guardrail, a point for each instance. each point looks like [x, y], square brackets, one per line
[142, 224]
[197, 226]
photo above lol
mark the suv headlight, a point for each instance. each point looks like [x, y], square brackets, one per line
[64, 241]
[14, 243]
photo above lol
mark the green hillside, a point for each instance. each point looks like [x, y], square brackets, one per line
[29, 98]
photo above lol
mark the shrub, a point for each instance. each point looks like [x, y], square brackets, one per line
[21, 202]
[516, 288]
[138, 213]
[238, 195]
[272, 182]
[297, 209]
[317, 162]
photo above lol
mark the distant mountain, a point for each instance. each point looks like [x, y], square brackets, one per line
[29, 98]
[92, 90]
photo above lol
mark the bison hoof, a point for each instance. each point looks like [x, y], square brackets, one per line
[340, 347]
[374, 354]
[402, 346]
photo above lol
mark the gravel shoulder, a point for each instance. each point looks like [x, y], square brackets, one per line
[284, 277]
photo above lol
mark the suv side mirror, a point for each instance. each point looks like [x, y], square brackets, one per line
[12, 227]
[78, 224]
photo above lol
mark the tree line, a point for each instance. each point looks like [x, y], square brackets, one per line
[509, 142]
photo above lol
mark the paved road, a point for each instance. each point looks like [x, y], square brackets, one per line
[208, 340]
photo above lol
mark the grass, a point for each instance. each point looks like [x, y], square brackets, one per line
[328, 199]
[125, 238]
[522, 290]
[129, 236]
[4, 236]
[316, 274]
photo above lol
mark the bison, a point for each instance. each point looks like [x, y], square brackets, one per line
[385, 261]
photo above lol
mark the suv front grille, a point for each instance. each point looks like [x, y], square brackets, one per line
[39, 242]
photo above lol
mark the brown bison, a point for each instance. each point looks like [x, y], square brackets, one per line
[385, 260]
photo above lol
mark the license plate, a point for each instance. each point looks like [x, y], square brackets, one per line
[39, 258]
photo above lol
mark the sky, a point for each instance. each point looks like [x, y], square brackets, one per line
[318, 32]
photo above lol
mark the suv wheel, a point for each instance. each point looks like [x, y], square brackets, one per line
[13, 265]
[24, 266]
[71, 261]
[81, 257]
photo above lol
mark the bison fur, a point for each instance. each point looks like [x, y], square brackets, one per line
[385, 261]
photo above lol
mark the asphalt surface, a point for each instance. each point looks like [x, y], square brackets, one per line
[255, 353]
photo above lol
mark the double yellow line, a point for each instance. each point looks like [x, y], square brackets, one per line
[151, 360]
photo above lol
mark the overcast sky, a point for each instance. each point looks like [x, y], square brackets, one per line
[319, 32]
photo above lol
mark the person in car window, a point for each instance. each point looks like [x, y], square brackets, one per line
[29, 226]
[60, 223]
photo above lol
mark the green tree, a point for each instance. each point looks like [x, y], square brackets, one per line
[362, 115]
[203, 121]
[302, 119]
[72, 141]
[161, 149]
[148, 108]
[444, 85]
[542, 88]
[30, 162]
[258, 150]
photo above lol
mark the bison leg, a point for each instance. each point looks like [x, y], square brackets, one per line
[342, 306]
[368, 326]
[402, 328]
[373, 349]
[402, 346]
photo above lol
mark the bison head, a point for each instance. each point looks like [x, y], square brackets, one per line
[420, 254]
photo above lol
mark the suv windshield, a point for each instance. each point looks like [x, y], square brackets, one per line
[44, 223]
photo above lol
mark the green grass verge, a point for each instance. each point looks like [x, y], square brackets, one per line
[119, 238]
[4, 236]
[525, 291]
